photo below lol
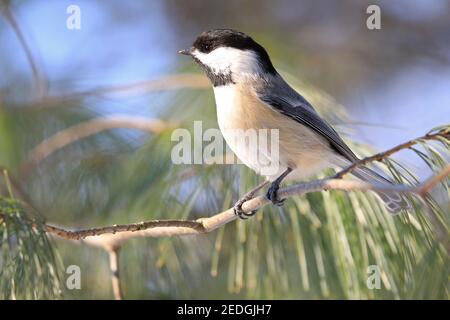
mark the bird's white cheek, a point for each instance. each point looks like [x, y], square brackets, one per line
[216, 60]
[226, 60]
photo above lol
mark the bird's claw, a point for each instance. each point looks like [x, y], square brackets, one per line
[272, 195]
[241, 213]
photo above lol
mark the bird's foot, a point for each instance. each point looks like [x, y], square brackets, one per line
[272, 194]
[248, 196]
[238, 208]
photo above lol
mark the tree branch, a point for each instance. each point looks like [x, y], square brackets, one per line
[115, 273]
[112, 237]
[383, 155]
[86, 129]
[164, 82]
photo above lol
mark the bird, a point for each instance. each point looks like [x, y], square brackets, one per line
[251, 95]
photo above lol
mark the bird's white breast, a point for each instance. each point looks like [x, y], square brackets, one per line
[227, 105]
[236, 112]
[238, 108]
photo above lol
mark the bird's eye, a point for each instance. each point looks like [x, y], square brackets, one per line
[206, 47]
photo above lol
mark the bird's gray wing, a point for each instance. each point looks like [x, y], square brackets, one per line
[298, 108]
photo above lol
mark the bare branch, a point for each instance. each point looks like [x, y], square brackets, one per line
[86, 129]
[114, 236]
[431, 183]
[383, 155]
[115, 273]
[132, 227]
[165, 82]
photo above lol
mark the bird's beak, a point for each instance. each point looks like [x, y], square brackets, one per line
[186, 52]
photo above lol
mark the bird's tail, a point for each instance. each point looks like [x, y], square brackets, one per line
[394, 201]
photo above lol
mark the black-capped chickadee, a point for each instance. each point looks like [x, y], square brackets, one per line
[251, 95]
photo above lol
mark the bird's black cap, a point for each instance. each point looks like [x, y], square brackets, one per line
[213, 39]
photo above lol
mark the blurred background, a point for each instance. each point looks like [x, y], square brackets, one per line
[380, 87]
